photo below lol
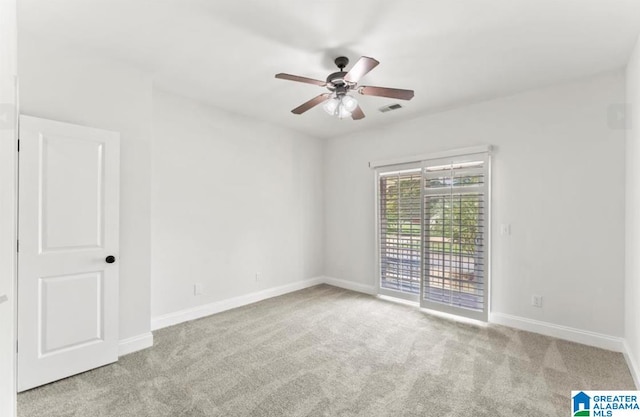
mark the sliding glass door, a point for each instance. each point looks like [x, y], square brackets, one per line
[432, 233]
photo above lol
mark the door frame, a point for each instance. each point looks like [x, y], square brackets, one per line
[410, 162]
[8, 204]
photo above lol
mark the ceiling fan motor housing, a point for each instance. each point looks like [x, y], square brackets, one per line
[336, 81]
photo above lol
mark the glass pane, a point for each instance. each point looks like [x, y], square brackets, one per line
[400, 232]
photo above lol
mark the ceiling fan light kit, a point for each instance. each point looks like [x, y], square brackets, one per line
[338, 103]
[341, 106]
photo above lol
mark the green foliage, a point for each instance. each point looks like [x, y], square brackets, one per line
[452, 219]
[400, 198]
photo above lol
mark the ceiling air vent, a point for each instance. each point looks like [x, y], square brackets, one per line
[390, 107]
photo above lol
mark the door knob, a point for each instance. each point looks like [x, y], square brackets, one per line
[110, 259]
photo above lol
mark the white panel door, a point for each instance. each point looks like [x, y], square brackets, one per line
[68, 250]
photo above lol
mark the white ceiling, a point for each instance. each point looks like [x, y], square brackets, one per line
[451, 52]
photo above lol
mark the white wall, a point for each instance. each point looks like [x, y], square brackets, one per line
[8, 181]
[632, 287]
[558, 179]
[230, 197]
[79, 86]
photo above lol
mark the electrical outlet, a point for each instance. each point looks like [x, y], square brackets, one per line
[198, 289]
[258, 276]
[536, 301]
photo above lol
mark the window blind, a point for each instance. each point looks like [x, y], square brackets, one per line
[454, 234]
[400, 230]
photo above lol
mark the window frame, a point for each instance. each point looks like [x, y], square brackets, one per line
[378, 172]
[485, 190]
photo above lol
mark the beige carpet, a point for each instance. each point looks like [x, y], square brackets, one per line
[330, 352]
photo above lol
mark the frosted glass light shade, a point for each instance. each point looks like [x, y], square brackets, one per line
[331, 105]
[343, 113]
[341, 106]
[349, 103]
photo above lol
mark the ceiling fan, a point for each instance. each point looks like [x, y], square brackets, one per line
[338, 102]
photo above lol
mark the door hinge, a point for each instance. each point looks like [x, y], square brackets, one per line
[18, 145]
[17, 246]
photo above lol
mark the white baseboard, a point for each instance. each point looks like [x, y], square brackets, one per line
[135, 343]
[194, 313]
[549, 329]
[584, 337]
[633, 364]
[350, 285]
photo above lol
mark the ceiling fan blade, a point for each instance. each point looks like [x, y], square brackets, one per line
[360, 69]
[311, 103]
[357, 114]
[290, 77]
[386, 92]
